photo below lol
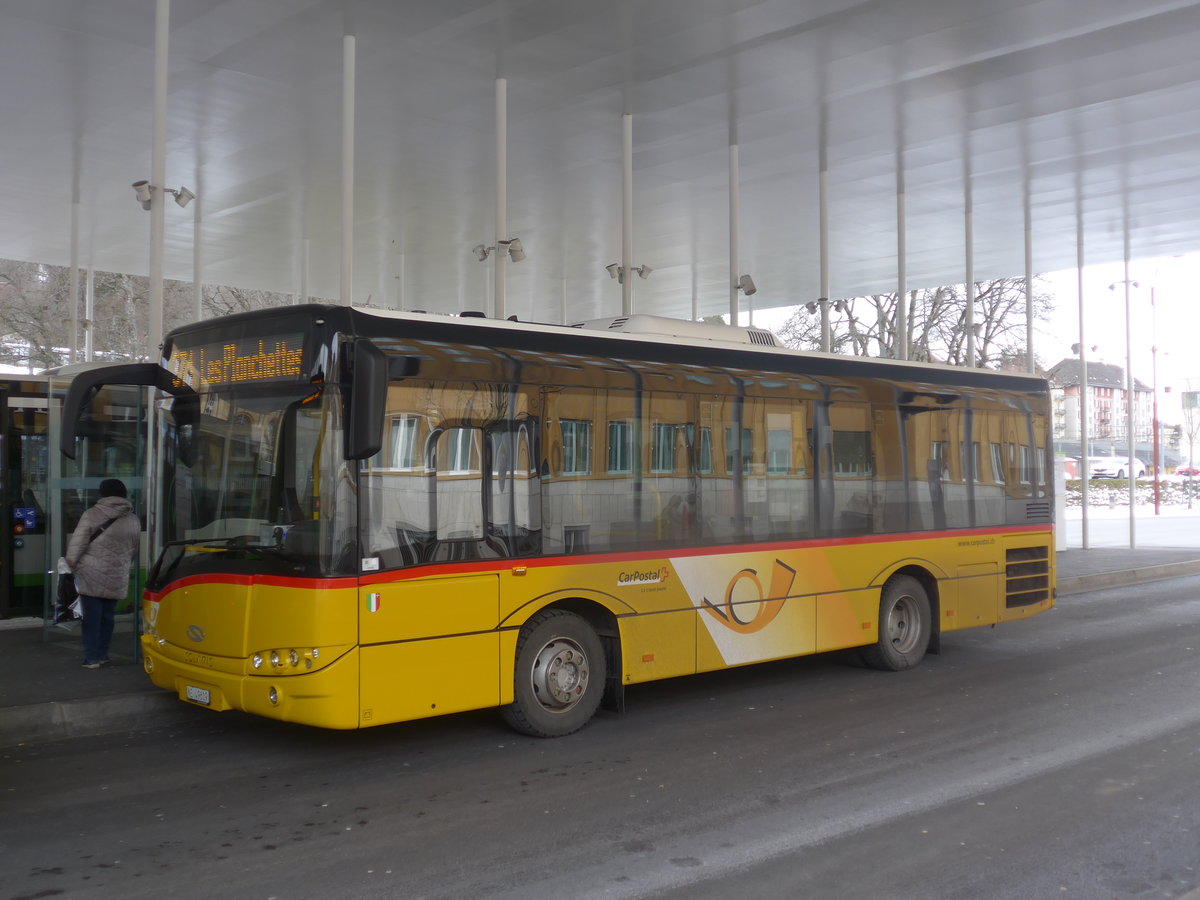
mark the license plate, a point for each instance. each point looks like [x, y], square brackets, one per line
[199, 695]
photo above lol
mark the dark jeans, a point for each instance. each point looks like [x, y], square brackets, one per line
[98, 616]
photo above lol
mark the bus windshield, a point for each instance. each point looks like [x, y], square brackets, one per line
[257, 485]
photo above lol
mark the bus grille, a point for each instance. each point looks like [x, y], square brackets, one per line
[1038, 511]
[1026, 576]
[761, 337]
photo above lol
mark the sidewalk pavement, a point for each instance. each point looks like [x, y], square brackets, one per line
[46, 694]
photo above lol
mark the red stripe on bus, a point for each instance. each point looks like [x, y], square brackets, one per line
[502, 564]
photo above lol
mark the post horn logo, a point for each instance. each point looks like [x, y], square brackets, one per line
[753, 614]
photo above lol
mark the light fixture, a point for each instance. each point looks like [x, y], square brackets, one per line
[142, 190]
[512, 247]
[746, 285]
[515, 251]
[617, 271]
[182, 196]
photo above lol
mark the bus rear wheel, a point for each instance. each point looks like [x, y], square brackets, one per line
[905, 624]
[559, 676]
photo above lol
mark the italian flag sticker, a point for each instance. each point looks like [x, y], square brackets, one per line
[372, 603]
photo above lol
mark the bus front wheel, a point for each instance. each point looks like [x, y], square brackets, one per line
[905, 624]
[559, 677]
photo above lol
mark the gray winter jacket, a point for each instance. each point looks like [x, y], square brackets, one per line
[101, 567]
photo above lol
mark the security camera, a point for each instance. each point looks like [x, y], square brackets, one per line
[643, 271]
[614, 270]
[481, 252]
[141, 190]
[746, 283]
[515, 251]
[183, 196]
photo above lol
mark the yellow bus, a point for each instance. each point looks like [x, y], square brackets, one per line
[367, 516]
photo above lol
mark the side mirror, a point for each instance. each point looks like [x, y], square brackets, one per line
[86, 385]
[367, 372]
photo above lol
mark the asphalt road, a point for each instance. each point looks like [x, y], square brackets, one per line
[1058, 757]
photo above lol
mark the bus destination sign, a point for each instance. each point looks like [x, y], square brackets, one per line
[238, 362]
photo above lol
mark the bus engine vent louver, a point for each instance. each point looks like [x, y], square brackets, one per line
[618, 323]
[1038, 512]
[758, 336]
[1026, 576]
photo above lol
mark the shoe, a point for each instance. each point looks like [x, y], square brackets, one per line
[92, 665]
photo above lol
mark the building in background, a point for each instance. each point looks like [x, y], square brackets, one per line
[1110, 413]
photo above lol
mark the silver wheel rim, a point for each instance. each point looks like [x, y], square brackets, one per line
[560, 675]
[903, 625]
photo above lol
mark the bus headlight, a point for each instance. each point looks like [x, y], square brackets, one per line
[274, 657]
[256, 660]
[293, 658]
[273, 696]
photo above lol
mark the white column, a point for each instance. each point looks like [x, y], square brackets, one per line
[348, 67]
[501, 254]
[74, 283]
[901, 270]
[627, 215]
[1129, 400]
[198, 254]
[1084, 402]
[158, 178]
[89, 313]
[823, 215]
[969, 240]
[734, 234]
[1029, 364]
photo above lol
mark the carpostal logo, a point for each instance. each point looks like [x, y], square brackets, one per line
[634, 579]
[757, 608]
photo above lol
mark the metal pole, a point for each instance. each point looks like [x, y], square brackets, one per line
[1029, 365]
[158, 177]
[1129, 437]
[198, 255]
[304, 271]
[823, 200]
[1154, 402]
[74, 285]
[901, 351]
[627, 215]
[1084, 473]
[347, 286]
[734, 230]
[969, 240]
[89, 311]
[501, 193]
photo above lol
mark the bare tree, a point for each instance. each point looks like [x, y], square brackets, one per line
[35, 312]
[866, 326]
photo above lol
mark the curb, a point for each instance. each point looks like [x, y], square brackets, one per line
[1079, 584]
[62, 719]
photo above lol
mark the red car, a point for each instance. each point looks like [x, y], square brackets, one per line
[1187, 470]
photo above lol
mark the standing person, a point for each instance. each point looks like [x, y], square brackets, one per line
[98, 553]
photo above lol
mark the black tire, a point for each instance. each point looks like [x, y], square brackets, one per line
[1120, 473]
[905, 625]
[559, 675]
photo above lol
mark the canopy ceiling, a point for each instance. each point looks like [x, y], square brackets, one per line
[1087, 111]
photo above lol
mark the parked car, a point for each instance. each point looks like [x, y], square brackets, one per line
[1115, 467]
[1187, 470]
